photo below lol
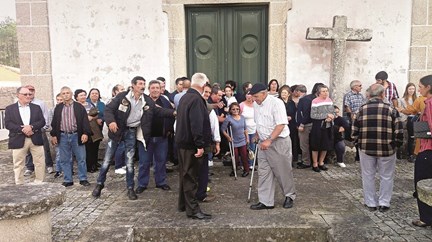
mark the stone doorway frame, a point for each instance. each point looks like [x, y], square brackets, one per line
[278, 12]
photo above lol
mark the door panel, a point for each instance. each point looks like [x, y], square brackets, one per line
[251, 42]
[228, 43]
[204, 41]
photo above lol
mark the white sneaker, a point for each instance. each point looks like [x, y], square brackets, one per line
[28, 173]
[120, 171]
[341, 164]
[50, 170]
[210, 163]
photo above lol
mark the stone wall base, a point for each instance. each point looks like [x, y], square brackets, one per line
[33, 228]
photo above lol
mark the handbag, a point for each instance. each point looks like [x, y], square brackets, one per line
[421, 129]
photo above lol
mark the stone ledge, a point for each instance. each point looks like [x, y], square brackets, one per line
[424, 190]
[21, 201]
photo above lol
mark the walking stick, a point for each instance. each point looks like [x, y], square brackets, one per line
[232, 151]
[253, 169]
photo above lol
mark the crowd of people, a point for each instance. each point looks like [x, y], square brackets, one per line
[199, 121]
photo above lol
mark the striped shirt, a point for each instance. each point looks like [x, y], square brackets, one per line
[320, 108]
[391, 92]
[68, 121]
[377, 128]
[270, 113]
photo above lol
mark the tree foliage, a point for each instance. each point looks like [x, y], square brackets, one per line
[8, 43]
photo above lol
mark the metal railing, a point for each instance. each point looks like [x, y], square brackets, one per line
[2, 116]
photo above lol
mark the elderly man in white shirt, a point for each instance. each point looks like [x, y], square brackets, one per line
[275, 154]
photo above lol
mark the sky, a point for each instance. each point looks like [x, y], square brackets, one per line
[7, 8]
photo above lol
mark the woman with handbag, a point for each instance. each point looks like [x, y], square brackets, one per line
[322, 115]
[92, 146]
[423, 163]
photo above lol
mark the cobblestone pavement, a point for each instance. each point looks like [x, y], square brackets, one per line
[334, 196]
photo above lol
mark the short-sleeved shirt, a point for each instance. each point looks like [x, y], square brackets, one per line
[270, 113]
[354, 100]
[238, 130]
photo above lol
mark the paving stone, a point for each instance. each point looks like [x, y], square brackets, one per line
[337, 204]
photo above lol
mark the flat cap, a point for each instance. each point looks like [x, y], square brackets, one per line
[257, 87]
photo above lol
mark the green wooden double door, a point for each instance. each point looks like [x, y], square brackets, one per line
[228, 43]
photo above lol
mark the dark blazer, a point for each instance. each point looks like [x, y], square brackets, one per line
[13, 123]
[83, 124]
[193, 122]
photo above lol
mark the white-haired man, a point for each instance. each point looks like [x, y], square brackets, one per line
[192, 136]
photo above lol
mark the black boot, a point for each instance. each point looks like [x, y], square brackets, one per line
[131, 194]
[97, 191]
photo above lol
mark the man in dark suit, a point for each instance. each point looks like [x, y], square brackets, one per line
[25, 121]
[193, 135]
[70, 130]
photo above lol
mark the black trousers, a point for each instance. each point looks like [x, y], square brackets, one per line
[189, 170]
[92, 152]
[423, 170]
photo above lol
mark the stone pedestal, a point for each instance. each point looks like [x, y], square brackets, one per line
[25, 211]
[424, 190]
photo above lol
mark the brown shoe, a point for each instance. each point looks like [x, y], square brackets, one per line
[208, 199]
[419, 223]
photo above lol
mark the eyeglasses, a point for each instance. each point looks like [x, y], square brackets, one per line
[26, 94]
[235, 109]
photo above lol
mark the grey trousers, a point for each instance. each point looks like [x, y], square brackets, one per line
[274, 164]
[385, 167]
[304, 143]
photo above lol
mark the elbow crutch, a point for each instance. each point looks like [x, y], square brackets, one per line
[253, 169]
[232, 151]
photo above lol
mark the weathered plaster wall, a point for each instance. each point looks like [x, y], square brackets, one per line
[101, 43]
[308, 61]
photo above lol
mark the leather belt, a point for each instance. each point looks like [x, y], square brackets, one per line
[64, 132]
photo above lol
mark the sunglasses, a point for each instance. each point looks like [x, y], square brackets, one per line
[235, 109]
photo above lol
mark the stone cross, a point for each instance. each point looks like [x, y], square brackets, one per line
[339, 35]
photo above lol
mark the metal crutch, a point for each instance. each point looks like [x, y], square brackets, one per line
[232, 151]
[253, 169]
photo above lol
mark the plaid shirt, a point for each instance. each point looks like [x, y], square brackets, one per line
[377, 128]
[354, 100]
[391, 92]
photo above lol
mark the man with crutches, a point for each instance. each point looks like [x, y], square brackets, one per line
[274, 157]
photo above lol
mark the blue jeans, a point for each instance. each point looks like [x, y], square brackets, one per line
[68, 145]
[119, 156]
[157, 150]
[57, 160]
[340, 151]
[251, 146]
[129, 138]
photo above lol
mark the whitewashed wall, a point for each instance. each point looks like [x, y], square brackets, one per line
[101, 43]
[308, 61]
[98, 43]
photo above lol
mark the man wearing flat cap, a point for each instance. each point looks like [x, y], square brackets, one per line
[275, 157]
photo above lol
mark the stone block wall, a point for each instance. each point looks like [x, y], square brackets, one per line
[421, 40]
[34, 47]
[7, 96]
